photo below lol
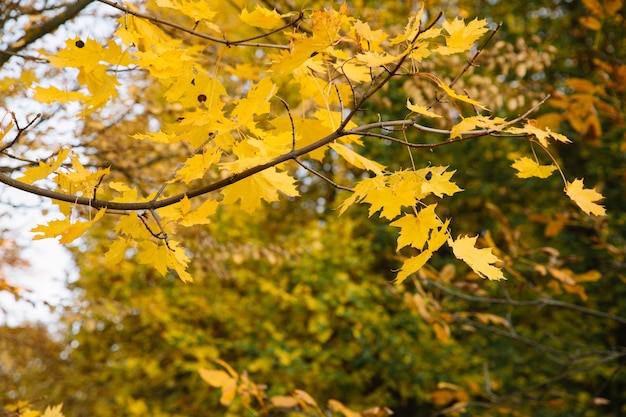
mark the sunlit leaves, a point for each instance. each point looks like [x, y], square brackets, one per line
[162, 257]
[65, 229]
[262, 18]
[461, 37]
[265, 185]
[585, 198]
[438, 236]
[44, 169]
[415, 229]
[389, 193]
[492, 124]
[542, 134]
[480, 260]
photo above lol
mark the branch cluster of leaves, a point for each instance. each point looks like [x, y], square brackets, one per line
[336, 65]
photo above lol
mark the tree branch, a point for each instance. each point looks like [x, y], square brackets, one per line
[49, 26]
[243, 42]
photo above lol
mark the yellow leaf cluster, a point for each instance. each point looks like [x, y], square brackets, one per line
[389, 193]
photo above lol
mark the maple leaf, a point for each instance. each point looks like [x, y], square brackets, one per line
[44, 169]
[52, 411]
[67, 230]
[439, 182]
[423, 110]
[415, 229]
[80, 179]
[355, 72]
[375, 59]
[117, 251]
[480, 260]
[542, 134]
[585, 198]
[256, 102]
[461, 37]
[468, 123]
[411, 29]
[437, 238]
[262, 186]
[52, 94]
[199, 11]
[221, 379]
[197, 165]
[262, 18]
[452, 94]
[528, 168]
[356, 159]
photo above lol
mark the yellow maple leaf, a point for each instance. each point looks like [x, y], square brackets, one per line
[480, 260]
[262, 18]
[414, 230]
[469, 123]
[80, 179]
[117, 251]
[452, 94]
[527, 168]
[461, 37]
[201, 215]
[197, 165]
[585, 198]
[411, 29]
[220, 379]
[356, 72]
[199, 11]
[375, 59]
[356, 159]
[542, 134]
[264, 185]
[256, 102]
[437, 238]
[67, 230]
[44, 169]
[53, 411]
[437, 181]
[423, 110]
[52, 94]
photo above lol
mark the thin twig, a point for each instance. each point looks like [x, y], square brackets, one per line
[322, 176]
[162, 22]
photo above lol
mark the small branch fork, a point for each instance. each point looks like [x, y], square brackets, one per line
[294, 153]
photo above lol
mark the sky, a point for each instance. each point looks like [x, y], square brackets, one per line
[51, 266]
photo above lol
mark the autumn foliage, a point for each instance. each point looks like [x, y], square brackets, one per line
[299, 163]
